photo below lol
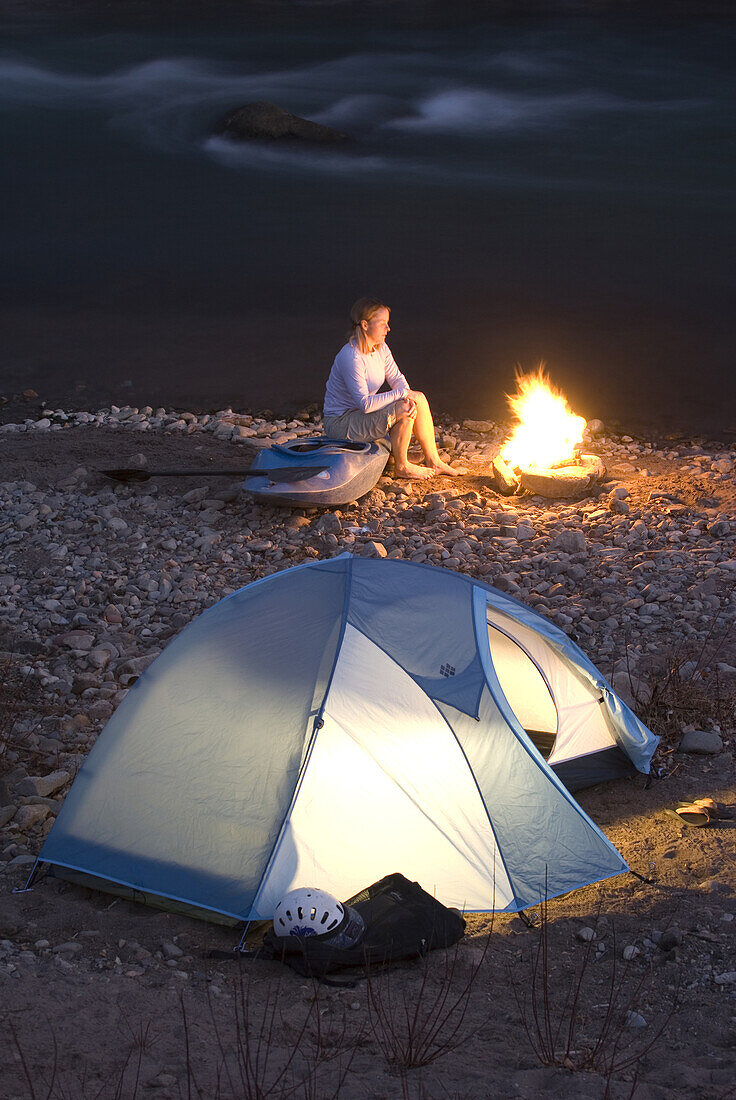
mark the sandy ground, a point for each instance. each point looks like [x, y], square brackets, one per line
[113, 1015]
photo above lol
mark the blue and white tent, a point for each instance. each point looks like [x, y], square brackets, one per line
[341, 720]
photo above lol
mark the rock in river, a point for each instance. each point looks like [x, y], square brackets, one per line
[266, 121]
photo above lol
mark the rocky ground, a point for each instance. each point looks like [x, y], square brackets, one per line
[111, 999]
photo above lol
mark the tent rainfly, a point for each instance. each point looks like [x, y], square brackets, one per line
[339, 720]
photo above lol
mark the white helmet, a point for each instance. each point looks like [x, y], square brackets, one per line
[307, 912]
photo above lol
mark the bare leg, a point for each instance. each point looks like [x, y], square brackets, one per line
[423, 429]
[400, 435]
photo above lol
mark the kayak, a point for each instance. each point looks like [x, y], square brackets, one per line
[316, 471]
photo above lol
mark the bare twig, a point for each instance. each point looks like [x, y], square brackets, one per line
[424, 1022]
[611, 1048]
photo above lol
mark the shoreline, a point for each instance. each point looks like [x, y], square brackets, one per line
[24, 410]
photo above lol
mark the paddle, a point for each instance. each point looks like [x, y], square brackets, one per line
[283, 473]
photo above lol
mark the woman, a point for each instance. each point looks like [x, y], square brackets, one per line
[354, 409]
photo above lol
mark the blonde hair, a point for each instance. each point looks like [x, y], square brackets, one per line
[365, 309]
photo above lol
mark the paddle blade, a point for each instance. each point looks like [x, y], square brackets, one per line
[127, 475]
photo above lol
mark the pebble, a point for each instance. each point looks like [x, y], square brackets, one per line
[43, 785]
[373, 549]
[479, 425]
[7, 813]
[635, 1019]
[670, 938]
[585, 935]
[22, 860]
[28, 816]
[571, 541]
[170, 950]
[713, 886]
[70, 948]
[328, 523]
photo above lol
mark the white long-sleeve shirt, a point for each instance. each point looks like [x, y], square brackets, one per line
[356, 377]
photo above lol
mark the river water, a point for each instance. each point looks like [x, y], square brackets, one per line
[554, 187]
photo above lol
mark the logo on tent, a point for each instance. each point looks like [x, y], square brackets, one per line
[447, 670]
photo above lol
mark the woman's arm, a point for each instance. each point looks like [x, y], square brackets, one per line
[362, 385]
[394, 377]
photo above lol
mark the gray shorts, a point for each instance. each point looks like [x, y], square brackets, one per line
[362, 427]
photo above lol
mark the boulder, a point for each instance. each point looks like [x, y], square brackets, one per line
[263, 121]
[704, 742]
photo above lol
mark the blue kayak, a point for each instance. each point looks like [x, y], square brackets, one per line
[316, 471]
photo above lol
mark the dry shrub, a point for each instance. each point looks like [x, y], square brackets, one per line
[417, 1022]
[683, 686]
[123, 1082]
[274, 1047]
[566, 1023]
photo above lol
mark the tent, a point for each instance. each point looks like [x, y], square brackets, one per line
[341, 720]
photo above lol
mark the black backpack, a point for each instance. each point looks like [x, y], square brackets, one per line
[402, 921]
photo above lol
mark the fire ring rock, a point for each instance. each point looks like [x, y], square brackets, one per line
[564, 481]
[263, 121]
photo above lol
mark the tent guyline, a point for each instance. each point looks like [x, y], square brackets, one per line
[341, 719]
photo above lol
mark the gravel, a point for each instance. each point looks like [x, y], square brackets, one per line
[96, 577]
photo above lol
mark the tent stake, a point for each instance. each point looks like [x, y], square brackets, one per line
[27, 888]
[240, 949]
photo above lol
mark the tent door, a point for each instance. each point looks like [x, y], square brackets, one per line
[526, 688]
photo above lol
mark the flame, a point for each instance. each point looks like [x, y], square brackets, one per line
[548, 431]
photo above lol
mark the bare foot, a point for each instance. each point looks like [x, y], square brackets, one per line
[441, 467]
[413, 471]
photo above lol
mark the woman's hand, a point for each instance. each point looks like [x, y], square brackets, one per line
[406, 407]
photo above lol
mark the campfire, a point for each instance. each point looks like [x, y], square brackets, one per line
[543, 452]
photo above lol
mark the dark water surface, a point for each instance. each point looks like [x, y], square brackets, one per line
[552, 188]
